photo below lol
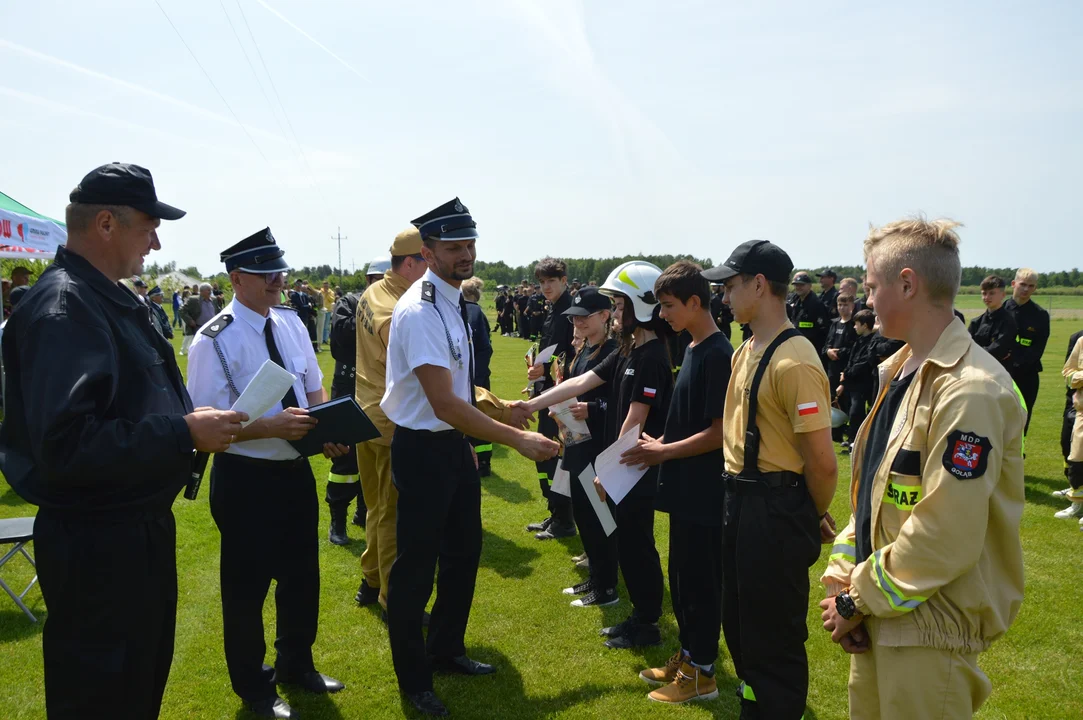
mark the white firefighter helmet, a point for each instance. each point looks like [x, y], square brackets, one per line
[635, 279]
[379, 266]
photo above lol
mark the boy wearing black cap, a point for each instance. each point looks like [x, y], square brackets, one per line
[690, 485]
[780, 475]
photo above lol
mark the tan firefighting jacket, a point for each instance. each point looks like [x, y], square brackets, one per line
[1073, 375]
[947, 564]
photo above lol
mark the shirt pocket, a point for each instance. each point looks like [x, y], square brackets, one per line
[299, 368]
[903, 489]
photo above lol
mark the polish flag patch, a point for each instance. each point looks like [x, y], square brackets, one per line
[649, 392]
[809, 408]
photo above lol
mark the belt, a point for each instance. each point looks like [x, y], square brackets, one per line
[436, 434]
[764, 481]
[261, 462]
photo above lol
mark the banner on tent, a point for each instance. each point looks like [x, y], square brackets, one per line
[28, 234]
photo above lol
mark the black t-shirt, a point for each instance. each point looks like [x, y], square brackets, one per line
[645, 376]
[578, 456]
[692, 487]
[875, 445]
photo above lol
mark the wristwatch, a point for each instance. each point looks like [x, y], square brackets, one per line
[845, 606]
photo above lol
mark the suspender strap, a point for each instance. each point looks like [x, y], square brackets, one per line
[752, 432]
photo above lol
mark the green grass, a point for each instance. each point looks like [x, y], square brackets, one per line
[550, 660]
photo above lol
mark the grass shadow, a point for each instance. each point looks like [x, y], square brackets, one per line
[16, 626]
[505, 557]
[1056, 483]
[507, 490]
[1036, 496]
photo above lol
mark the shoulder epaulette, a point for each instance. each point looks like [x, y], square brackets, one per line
[428, 292]
[286, 307]
[217, 326]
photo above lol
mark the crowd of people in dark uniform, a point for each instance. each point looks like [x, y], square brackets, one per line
[735, 445]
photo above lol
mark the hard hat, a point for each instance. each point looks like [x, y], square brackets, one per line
[379, 266]
[838, 417]
[635, 279]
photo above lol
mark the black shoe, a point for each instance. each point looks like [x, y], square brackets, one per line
[427, 703]
[360, 516]
[461, 665]
[271, 708]
[366, 594]
[337, 534]
[598, 598]
[639, 635]
[582, 588]
[556, 530]
[312, 681]
[540, 526]
[620, 628]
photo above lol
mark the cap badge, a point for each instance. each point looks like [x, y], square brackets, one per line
[577, 299]
[458, 207]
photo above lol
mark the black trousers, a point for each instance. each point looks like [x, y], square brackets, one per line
[695, 586]
[439, 520]
[601, 549]
[638, 556]
[770, 540]
[110, 584]
[858, 401]
[343, 493]
[833, 380]
[267, 513]
[482, 448]
[524, 326]
[560, 506]
[1028, 385]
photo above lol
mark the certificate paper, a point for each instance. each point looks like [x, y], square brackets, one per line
[617, 479]
[562, 483]
[264, 391]
[586, 478]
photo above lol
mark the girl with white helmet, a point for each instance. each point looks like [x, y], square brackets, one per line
[639, 378]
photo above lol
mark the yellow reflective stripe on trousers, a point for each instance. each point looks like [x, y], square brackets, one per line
[483, 448]
[543, 476]
[897, 600]
[904, 497]
[345, 479]
[844, 550]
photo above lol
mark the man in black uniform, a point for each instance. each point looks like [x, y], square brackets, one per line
[343, 481]
[806, 312]
[555, 330]
[830, 293]
[720, 311]
[500, 301]
[995, 328]
[536, 310]
[836, 352]
[99, 434]
[1032, 334]
[522, 303]
[302, 303]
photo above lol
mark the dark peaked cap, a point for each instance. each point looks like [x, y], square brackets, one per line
[451, 221]
[258, 253]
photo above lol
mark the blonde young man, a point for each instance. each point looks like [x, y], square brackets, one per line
[374, 311]
[929, 570]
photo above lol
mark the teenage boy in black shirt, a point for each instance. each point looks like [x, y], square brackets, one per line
[859, 377]
[690, 485]
[836, 351]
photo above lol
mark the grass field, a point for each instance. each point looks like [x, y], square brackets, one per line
[550, 660]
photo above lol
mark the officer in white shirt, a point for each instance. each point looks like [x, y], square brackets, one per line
[263, 494]
[430, 398]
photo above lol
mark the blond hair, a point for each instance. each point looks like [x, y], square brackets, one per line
[472, 289]
[849, 282]
[928, 247]
[1026, 275]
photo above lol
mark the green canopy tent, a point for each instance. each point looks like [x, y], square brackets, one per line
[27, 234]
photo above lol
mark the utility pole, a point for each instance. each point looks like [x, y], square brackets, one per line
[340, 238]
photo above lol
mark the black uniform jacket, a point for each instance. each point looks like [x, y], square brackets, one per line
[1032, 334]
[810, 318]
[95, 402]
[995, 331]
[343, 335]
[558, 331]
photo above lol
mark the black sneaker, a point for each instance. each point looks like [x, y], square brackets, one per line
[620, 628]
[582, 588]
[556, 530]
[366, 594]
[540, 526]
[638, 635]
[594, 598]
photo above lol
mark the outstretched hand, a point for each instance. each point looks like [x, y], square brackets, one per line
[647, 452]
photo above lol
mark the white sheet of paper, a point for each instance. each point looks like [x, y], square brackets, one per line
[586, 478]
[617, 479]
[563, 410]
[562, 483]
[264, 391]
[545, 355]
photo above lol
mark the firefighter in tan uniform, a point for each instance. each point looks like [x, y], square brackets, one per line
[929, 570]
[374, 457]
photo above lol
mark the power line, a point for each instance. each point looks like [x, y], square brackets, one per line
[207, 75]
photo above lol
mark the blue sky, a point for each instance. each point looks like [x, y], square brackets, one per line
[569, 128]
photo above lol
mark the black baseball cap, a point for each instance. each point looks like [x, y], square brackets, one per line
[138, 282]
[589, 301]
[828, 273]
[802, 278]
[123, 184]
[755, 257]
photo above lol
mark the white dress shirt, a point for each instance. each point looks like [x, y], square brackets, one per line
[419, 337]
[244, 347]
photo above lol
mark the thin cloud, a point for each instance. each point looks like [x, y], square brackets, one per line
[313, 40]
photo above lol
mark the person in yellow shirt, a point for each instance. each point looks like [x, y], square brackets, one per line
[929, 570]
[327, 305]
[780, 476]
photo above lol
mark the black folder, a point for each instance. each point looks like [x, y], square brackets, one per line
[340, 421]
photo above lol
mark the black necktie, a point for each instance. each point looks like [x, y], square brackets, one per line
[290, 398]
[470, 347]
